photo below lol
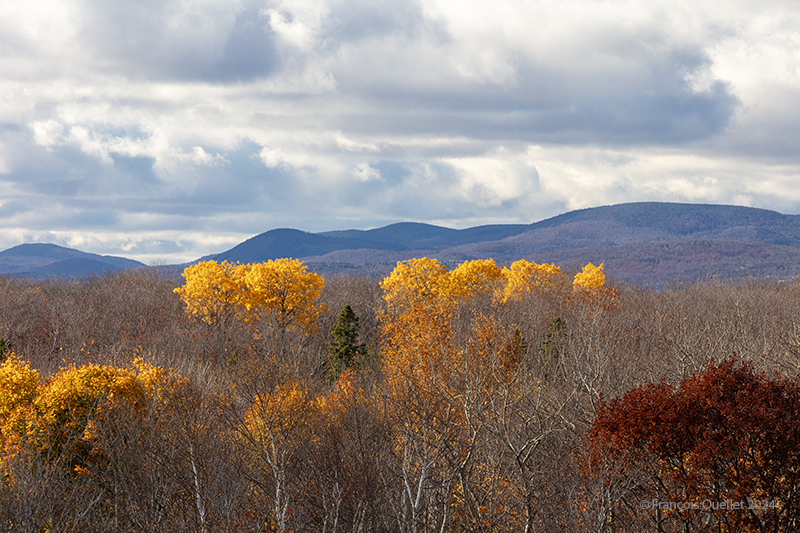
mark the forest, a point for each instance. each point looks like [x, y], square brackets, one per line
[265, 398]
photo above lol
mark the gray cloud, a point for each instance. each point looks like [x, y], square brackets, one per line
[170, 129]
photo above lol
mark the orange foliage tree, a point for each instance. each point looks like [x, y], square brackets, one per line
[271, 432]
[443, 360]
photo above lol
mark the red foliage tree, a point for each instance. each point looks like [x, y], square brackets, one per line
[727, 439]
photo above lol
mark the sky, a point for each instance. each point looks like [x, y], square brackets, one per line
[165, 130]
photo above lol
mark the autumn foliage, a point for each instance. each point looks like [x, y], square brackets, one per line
[282, 289]
[214, 291]
[728, 434]
[446, 397]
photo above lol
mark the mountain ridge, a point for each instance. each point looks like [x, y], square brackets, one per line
[45, 260]
[645, 242]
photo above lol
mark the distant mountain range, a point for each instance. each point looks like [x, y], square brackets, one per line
[42, 261]
[652, 243]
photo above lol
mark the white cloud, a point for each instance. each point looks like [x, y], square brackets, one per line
[198, 156]
[161, 119]
[48, 133]
[297, 22]
[5, 168]
[363, 172]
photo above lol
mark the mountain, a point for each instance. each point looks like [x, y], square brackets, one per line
[413, 235]
[650, 242]
[41, 261]
[280, 243]
[647, 222]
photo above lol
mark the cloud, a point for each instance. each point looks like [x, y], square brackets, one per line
[364, 172]
[174, 128]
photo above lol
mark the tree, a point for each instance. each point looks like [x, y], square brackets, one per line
[275, 297]
[285, 290]
[19, 385]
[727, 435]
[341, 467]
[272, 431]
[344, 348]
[449, 362]
[471, 278]
[78, 401]
[524, 277]
[213, 291]
[89, 448]
[591, 279]
[282, 296]
[415, 280]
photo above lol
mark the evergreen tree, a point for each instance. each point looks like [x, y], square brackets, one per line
[551, 346]
[344, 348]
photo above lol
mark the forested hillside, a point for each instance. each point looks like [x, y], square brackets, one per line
[265, 397]
[653, 243]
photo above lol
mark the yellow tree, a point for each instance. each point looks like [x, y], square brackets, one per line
[30, 487]
[18, 388]
[443, 357]
[273, 429]
[213, 291]
[524, 277]
[417, 350]
[53, 451]
[416, 325]
[414, 280]
[472, 278]
[274, 296]
[589, 285]
[85, 437]
[426, 280]
[591, 279]
[281, 296]
[286, 291]
[78, 402]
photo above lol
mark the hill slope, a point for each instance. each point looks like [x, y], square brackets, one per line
[280, 243]
[41, 261]
[653, 243]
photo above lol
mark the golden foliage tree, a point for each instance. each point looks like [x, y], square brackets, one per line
[18, 388]
[472, 278]
[274, 296]
[524, 277]
[285, 291]
[68, 439]
[415, 280]
[79, 408]
[213, 290]
[443, 360]
[272, 430]
[591, 279]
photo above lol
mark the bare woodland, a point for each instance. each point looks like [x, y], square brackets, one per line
[459, 406]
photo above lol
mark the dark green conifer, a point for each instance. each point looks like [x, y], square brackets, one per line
[344, 348]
